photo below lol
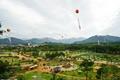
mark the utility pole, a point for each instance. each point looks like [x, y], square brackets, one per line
[98, 42]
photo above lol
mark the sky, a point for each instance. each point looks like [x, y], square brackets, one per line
[56, 18]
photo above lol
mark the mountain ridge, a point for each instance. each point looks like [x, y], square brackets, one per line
[80, 40]
[16, 41]
[100, 38]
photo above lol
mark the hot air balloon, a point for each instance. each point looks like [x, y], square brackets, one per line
[8, 30]
[5, 31]
[0, 25]
[1, 32]
[77, 12]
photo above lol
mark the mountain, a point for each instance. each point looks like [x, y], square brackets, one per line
[14, 41]
[97, 38]
[71, 40]
[43, 40]
[93, 39]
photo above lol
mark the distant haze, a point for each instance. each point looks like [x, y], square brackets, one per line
[57, 19]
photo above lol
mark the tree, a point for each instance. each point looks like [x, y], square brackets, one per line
[55, 71]
[4, 70]
[107, 72]
[115, 72]
[20, 77]
[86, 66]
[60, 78]
[53, 55]
[35, 53]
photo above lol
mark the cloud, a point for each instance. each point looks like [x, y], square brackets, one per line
[114, 29]
[46, 18]
[20, 11]
[103, 12]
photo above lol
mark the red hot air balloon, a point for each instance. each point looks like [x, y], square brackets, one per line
[1, 32]
[77, 11]
[0, 25]
[8, 30]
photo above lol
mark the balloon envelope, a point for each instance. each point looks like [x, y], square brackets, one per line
[8, 30]
[77, 11]
[1, 32]
[0, 25]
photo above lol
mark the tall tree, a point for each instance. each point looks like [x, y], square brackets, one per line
[107, 72]
[4, 70]
[86, 66]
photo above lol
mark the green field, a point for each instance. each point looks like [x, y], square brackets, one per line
[71, 72]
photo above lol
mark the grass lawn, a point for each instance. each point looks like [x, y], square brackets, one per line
[47, 76]
[37, 76]
[70, 75]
